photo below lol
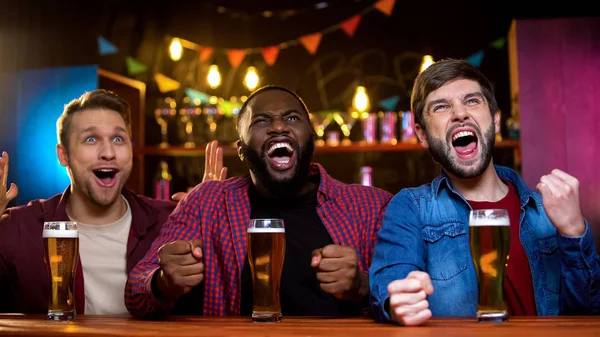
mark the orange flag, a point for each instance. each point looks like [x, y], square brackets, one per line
[349, 26]
[311, 42]
[205, 53]
[236, 56]
[385, 6]
[270, 54]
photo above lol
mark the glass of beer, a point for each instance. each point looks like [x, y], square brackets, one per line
[61, 253]
[489, 231]
[266, 252]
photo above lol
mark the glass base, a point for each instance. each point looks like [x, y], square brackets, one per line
[260, 318]
[497, 316]
[61, 315]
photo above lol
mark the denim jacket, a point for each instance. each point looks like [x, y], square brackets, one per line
[426, 228]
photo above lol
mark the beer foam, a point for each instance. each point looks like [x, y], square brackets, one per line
[266, 230]
[61, 234]
[479, 222]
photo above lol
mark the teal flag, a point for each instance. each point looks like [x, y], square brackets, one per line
[105, 47]
[476, 59]
[389, 103]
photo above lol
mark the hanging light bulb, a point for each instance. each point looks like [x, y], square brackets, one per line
[214, 77]
[427, 61]
[361, 99]
[251, 79]
[175, 49]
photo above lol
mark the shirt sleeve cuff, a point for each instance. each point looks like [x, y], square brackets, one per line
[578, 252]
[380, 302]
[158, 308]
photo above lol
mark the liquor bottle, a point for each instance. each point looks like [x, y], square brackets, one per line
[366, 177]
[162, 184]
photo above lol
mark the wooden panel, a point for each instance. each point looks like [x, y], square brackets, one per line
[559, 82]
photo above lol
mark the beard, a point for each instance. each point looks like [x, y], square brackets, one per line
[442, 154]
[98, 197]
[287, 187]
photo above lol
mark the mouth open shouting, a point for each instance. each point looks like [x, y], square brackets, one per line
[106, 176]
[465, 143]
[281, 155]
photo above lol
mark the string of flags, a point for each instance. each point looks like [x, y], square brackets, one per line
[310, 42]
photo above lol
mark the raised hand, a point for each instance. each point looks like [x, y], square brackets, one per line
[213, 163]
[213, 167]
[6, 196]
[560, 197]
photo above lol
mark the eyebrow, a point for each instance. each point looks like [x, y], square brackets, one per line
[267, 115]
[93, 128]
[443, 100]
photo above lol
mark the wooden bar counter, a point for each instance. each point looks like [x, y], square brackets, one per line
[28, 325]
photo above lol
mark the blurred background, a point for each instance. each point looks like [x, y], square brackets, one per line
[186, 67]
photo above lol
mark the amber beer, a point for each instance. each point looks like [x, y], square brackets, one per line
[266, 253]
[61, 253]
[489, 232]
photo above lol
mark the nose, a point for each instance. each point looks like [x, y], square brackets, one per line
[459, 113]
[107, 151]
[278, 126]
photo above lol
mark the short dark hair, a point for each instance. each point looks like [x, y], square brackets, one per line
[442, 72]
[96, 99]
[244, 106]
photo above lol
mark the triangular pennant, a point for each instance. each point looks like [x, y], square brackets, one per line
[270, 54]
[166, 84]
[236, 56]
[476, 59]
[349, 26]
[311, 42]
[205, 53]
[193, 94]
[385, 6]
[135, 67]
[390, 103]
[105, 47]
[498, 43]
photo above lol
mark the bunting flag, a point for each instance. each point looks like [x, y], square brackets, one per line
[270, 54]
[205, 53]
[193, 94]
[166, 84]
[389, 103]
[311, 42]
[236, 56]
[475, 59]
[135, 67]
[385, 6]
[105, 47]
[349, 26]
[498, 43]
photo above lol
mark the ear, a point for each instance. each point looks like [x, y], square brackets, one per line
[61, 153]
[422, 136]
[497, 119]
[238, 144]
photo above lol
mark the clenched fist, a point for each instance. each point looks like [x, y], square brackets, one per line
[560, 197]
[408, 299]
[181, 269]
[338, 273]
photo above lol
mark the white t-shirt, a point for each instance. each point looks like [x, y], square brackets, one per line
[103, 253]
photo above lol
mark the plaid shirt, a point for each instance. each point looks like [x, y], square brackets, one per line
[219, 213]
